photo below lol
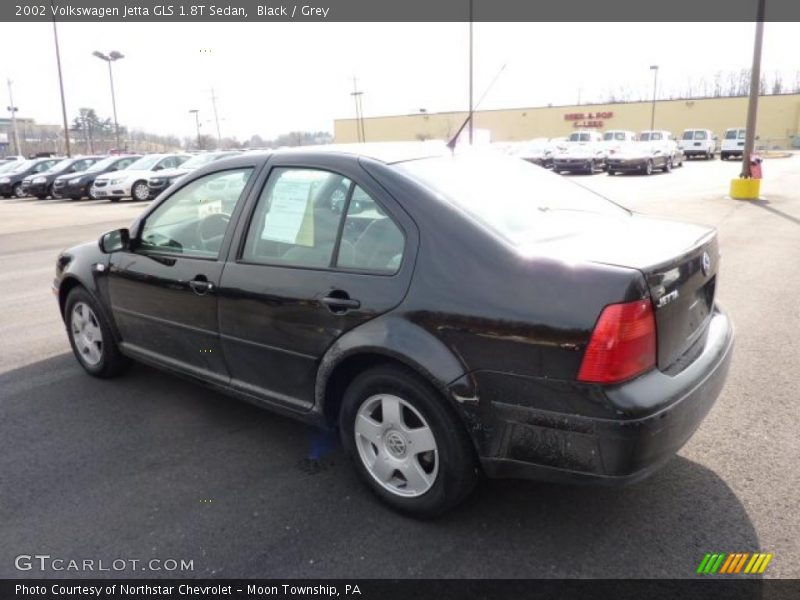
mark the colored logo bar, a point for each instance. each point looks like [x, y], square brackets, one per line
[734, 563]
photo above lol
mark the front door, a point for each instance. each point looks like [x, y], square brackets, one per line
[322, 255]
[163, 291]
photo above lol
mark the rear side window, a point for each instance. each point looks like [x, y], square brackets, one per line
[371, 241]
[296, 221]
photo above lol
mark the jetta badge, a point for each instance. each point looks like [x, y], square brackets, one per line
[706, 263]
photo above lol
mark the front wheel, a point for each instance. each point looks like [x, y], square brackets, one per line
[140, 191]
[91, 337]
[648, 168]
[407, 444]
[18, 193]
[668, 165]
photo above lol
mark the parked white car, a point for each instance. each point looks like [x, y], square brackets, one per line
[614, 139]
[132, 182]
[733, 143]
[662, 141]
[583, 152]
[698, 142]
[538, 151]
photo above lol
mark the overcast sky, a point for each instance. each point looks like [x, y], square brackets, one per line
[271, 78]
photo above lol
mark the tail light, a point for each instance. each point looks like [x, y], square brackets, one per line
[623, 343]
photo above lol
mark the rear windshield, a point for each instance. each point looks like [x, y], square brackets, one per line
[510, 196]
[695, 135]
[614, 135]
[579, 137]
[733, 134]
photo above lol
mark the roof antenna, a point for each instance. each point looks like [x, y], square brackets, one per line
[452, 143]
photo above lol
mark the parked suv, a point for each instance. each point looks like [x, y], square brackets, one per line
[733, 143]
[11, 181]
[698, 142]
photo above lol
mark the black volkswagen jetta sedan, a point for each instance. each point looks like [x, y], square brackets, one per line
[448, 313]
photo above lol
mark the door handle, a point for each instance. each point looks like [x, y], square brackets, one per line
[201, 287]
[340, 302]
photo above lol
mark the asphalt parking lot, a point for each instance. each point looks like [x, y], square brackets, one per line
[150, 466]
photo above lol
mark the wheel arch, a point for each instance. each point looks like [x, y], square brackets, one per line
[390, 341]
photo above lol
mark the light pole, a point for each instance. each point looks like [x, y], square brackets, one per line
[13, 110]
[197, 124]
[109, 58]
[654, 69]
[755, 82]
[470, 74]
[61, 84]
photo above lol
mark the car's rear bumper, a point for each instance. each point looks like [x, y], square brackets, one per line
[629, 166]
[658, 415]
[582, 165]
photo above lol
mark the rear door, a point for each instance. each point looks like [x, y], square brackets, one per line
[324, 250]
[163, 291]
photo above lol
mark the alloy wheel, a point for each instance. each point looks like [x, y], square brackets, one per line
[86, 333]
[396, 445]
[141, 191]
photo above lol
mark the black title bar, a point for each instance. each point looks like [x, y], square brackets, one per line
[716, 588]
[396, 10]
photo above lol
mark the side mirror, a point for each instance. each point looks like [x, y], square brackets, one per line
[114, 241]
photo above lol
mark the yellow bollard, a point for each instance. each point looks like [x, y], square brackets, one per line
[745, 189]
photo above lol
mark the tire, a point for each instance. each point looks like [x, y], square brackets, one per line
[442, 476]
[611, 173]
[140, 191]
[91, 337]
[723, 156]
[114, 199]
[648, 169]
[668, 165]
[18, 193]
[75, 197]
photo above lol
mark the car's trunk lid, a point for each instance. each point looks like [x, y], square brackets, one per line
[679, 262]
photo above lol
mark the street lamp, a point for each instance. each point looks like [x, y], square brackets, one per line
[197, 124]
[654, 69]
[13, 110]
[109, 58]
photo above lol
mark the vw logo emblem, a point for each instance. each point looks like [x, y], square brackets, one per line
[396, 444]
[706, 263]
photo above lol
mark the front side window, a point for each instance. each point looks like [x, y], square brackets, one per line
[194, 219]
[296, 222]
[371, 241]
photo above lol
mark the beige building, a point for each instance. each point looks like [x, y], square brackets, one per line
[778, 120]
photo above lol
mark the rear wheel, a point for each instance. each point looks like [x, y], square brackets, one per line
[668, 165]
[648, 168]
[91, 337]
[408, 445]
[610, 172]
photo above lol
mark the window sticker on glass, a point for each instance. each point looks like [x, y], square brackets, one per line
[290, 218]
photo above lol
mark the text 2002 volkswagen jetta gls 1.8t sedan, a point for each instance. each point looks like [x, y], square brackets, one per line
[446, 312]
